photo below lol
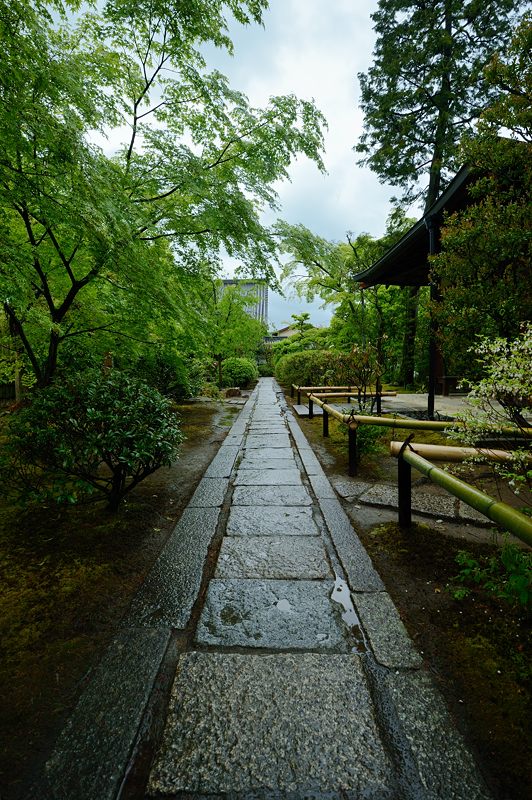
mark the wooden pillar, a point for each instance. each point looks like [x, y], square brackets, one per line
[352, 451]
[325, 423]
[404, 485]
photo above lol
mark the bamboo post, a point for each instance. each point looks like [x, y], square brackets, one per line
[325, 423]
[310, 408]
[352, 450]
[299, 395]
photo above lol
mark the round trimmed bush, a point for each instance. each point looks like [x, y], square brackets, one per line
[92, 432]
[308, 368]
[239, 372]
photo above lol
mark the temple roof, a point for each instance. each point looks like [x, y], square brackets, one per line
[406, 263]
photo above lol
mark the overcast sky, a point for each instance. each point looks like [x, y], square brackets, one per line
[314, 49]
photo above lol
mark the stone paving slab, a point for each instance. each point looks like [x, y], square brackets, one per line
[446, 768]
[472, 515]
[390, 642]
[210, 493]
[271, 521]
[269, 452]
[276, 424]
[92, 751]
[254, 460]
[290, 725]
[234, 441]
[361, 574]
[166, 597]
[301, 557]
[300, 439]
[268, 477]
[273, 440]
[382, 495]
[222, 464]
[271, 496]
[281, 615]
[311, 463]
[302, 410]
[322, 488]
[349, 487]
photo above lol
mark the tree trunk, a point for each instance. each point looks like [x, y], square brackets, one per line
[117, 488]
[50, 364]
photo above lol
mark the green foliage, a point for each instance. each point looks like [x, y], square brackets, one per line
[265, 370]
[210, 389]
[507, 575]
[503, 397]
[511, 75]
[483, 269]
[165, 370]
[427, 85]
[368, 440]
[239, 372]
[377, 314]
[94, 432]
[105, 248]
[228, 330]
[310, 339]
[307, 368]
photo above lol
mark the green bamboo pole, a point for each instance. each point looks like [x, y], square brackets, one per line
[401, 422]
[504, 515]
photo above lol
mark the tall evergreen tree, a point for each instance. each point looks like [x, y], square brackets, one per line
[426, 86]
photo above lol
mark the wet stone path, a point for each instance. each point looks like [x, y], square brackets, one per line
[262, 657]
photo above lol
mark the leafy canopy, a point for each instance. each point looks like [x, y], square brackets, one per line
[188, 183]
[427, 85]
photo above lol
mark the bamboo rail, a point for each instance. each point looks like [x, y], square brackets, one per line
[437, 452]
[385, 422]
[518, 524]
[367, 393]
[305, 389]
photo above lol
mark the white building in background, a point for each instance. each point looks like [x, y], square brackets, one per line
[258, 307]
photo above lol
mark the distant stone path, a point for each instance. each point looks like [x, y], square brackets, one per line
[262, 657]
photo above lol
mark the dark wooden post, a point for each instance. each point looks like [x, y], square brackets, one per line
[352, 450]
[310, 408]
[299, 395]
[404, 484]
[378, 390]
[325, 423]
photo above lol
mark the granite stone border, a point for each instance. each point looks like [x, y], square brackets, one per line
[390, 642]
[91, 754]
[168, 593]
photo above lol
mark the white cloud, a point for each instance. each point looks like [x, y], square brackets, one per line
[315, 50]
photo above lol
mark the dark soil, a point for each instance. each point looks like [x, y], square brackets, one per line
[477, 648]
[67, 576]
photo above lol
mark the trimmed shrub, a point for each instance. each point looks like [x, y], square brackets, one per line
[307, 368]
[239, 372]
[92, 432]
